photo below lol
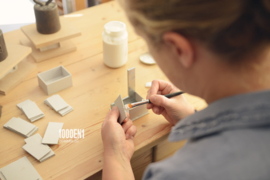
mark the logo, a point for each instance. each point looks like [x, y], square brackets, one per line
[71, 135]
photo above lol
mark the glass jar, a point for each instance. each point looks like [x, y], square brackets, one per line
[115, 44]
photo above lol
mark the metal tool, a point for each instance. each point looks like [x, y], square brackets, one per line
[146, 101]
[3, 48]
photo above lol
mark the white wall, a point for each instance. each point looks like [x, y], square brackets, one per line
[16, 13]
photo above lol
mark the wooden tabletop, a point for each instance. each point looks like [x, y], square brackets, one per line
[95, 87]
[66, 32]
[16, 53]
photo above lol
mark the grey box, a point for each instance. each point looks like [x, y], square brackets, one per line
[133, 96]
[54, 80]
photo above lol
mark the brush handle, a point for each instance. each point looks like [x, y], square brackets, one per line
[172, 95]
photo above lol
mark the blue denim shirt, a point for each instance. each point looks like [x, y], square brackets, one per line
[228, 140]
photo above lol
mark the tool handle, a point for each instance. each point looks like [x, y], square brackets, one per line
[172, 95]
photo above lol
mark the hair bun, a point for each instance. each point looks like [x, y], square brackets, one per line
[266, 4]
[261, 14]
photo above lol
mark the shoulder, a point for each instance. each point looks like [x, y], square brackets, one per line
[165, 170]
[233, 154]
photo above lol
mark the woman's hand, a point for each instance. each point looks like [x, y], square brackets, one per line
[117, 139]
[118, 147]
[173, 109]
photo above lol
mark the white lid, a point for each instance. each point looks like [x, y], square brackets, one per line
[115, 28]
[147, 59]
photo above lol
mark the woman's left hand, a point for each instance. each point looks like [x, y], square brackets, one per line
[117, 139]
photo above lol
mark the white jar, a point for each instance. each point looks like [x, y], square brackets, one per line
[115, 44]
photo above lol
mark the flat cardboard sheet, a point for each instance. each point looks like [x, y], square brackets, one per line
[21, 127]
[37, 139]
[32, 111]
[66, 110]
[37, 118]
[21, 169]
[32, 132]
[20, 105]
[38, 151]
[52, 133]
[2, 176]
[119, 103]
[57, 103]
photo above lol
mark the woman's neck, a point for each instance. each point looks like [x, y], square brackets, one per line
[243, 78]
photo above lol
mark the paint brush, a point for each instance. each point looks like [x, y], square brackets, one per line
[146, 101]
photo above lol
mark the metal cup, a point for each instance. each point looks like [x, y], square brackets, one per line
[47, 17]
[3, 48]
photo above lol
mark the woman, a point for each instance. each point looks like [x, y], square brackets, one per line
[217, 50]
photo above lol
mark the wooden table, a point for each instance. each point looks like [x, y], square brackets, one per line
[95, 88]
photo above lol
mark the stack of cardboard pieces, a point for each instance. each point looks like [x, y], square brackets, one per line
[52, 133]
[31, 110]
[21, 169]
[38, 150]
[21, 127]
[58, 104]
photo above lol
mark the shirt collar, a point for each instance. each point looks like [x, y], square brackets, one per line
[239, 111]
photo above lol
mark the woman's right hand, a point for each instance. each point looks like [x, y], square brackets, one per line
[173, 109]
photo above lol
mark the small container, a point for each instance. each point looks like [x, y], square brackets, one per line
[115, 44]
[54, 80]
[3, 48]
[47, 17]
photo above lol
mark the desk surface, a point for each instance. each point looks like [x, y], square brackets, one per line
[16, 53]
[95, 87]
[66, 32]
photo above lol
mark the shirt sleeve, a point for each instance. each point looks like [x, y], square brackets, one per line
[160, 171]
[152, 173]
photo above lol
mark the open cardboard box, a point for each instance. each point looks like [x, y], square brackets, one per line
[54, 80]
[138, 111]
[135, 112]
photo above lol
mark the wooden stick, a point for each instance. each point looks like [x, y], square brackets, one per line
[37, 2]
[48, 2]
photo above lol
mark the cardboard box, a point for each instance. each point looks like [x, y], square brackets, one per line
[54, 80]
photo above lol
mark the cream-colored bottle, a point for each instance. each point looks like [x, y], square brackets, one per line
[115, 44]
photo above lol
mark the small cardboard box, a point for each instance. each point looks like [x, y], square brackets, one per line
[54, 80]
[133, 96]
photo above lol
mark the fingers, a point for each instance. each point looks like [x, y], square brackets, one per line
[129, 129]
[112, 115]
[131, 132]
[158, 110]
[162, 86]
[127, 115]
[155, 87]
[150, 105]
[127, 118]
[159, 100]
[159, 87]
[127, 125]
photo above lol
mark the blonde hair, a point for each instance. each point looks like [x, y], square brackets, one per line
[231, 28]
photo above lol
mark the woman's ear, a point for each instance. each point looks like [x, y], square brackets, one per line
[180, 47]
